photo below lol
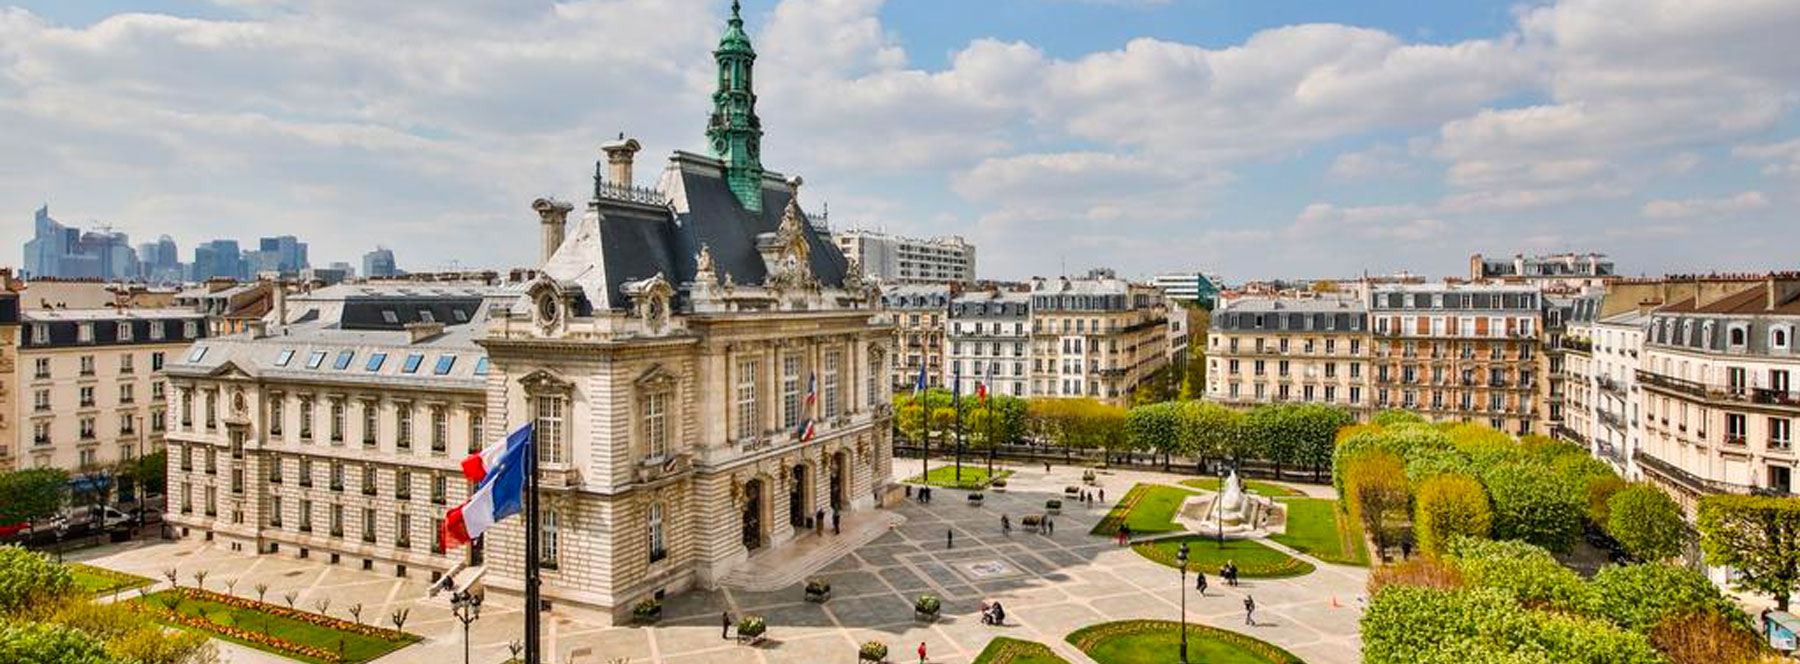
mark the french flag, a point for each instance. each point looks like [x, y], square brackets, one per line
[479, 465]
[501, 495]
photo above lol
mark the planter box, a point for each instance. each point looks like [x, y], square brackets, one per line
[922, 616]
[818, 597]
[648, 618]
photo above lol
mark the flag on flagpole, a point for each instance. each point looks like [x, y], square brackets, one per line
[919, 387]
[476, 467]
[501, 494]
[805, 429]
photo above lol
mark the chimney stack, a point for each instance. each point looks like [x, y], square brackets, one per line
[280, 301]
[553, 216]
[619, 154]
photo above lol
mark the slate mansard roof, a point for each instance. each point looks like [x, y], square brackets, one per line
[621, 240]
[1327, 314]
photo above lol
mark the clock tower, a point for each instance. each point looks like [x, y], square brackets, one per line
[734, 133]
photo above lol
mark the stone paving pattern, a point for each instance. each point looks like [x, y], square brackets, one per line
[1050, 585]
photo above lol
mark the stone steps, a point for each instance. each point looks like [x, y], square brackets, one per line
[793, 562]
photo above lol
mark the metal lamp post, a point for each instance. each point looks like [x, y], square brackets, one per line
[1181, 556]
[62, 531]
[466, 606]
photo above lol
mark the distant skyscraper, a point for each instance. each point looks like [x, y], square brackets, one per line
[160, 261]
[285, 254]
[56, 250]
[218, 258]
[379, 263]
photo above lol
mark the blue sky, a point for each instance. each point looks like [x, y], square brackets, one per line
[1250, 139]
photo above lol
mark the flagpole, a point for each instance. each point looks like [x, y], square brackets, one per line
[533, 649]
[956, 403]
[919, 390]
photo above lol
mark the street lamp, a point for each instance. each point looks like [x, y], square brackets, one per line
[62, 530]
[1181, 556]
[466, 606]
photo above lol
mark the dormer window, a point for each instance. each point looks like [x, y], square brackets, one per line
[1780, 338]
[1738, 335]
[84, 333]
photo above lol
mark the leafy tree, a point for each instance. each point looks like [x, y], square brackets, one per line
[1637, 597]
[31, 495]
[1529, 572]
[31, 581]
[1599, 491]
[48, 643]
[152, 471]
[1315, 427]
[1646, 521]
[1449, 505]
[943, 421]
[1376, 485]
[1212, 430]
[1757, 536]
[910, 420]
[1156, 427]
[1421, 625]
[1428, 462]
[1535, 504]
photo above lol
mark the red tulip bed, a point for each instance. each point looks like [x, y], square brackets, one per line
[299, 634]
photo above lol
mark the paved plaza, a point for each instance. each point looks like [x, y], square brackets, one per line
[1050, 585]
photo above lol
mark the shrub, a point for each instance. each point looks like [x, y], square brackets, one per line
[1424, 571]
[751, 626]
[1599, 491]
[872, 651]
[648, 608]
[1534, 504]
[1706, 638]
[1646, 522]
[928, 604]
[1754, 535]
[1409, 624]
[1447, 506]
[1529, 572]
[1640, 596]
[1429, 462]
[47, 643]
[31, 581]
[818, 587]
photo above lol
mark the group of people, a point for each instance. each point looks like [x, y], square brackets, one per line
[1229, 572]
[993, 614]
[923, 495]
[837, 522]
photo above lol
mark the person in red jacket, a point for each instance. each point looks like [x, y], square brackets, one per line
[921, 652]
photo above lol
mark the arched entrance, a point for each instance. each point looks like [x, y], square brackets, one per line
[840, 480]
[752, 515]
[798, 509]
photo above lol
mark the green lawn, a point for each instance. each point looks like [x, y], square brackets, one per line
[1258, 487]
[1003, 650]
[1317, 528]
[1205, 554]
[974, 476]
[354, 647]
[1146, 508]
[100, 581]
[1159, 642]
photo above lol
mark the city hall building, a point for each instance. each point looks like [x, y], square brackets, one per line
[705, 370]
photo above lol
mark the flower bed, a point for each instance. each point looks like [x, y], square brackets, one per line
[288, 632]
[1003, 650]
[1139, 639]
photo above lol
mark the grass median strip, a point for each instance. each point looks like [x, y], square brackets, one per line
[308, 637]
[1003, 650]
[974, 477]
[1146, 509]
[102, 581]
[1317, 528]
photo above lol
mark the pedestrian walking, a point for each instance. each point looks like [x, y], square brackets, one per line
[1049, 526]
[1102, 495]
[949, 538]
[725, 625]
[1124, 534]
[819, 521]
[1250, 610]
[837, 519]
[1005, 525]
[921, 652]
[1200, 582]
[1046, 466]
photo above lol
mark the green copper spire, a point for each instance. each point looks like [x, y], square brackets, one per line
[734, 132]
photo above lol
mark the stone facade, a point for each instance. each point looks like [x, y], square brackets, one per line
[919, 314]
[989, 339]
[1455, 351]
[1098, 337]
[1274, 350]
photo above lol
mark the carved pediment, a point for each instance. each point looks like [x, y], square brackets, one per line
[650, 300]
[229, 370]
[543, 382]
[657, 377]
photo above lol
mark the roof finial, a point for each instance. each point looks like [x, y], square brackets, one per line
[735, 8]
[597, 166]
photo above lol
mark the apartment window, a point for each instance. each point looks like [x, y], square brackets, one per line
[1736, 378]
[337, 476]
[277, 413]
[656, 424]
[658, 548]
[274, 511]
[439, 488]
[549, 427]
[1736, 428]
[437, 525]
[790, 391]
[275, 470]
[41, 400]
[306, 419]
[370, 481]
[476, 433]
[43, 368]
[1781, 431]
[190, 329]
[212, 501]
[371, 421]
[403, 484]
[40, 333]
[403, 421]
[187, 458]
[87, 365]
[156, 361]
[237, 481]
[833, 363]
[337, 520]
[368, 524]
[126, 364]
[747, 421]
[337, 420]
[440, 429]
[89, 457]
[84, 333]
[306, 510]
[212, 410]
[306, 473]
[87, 428]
